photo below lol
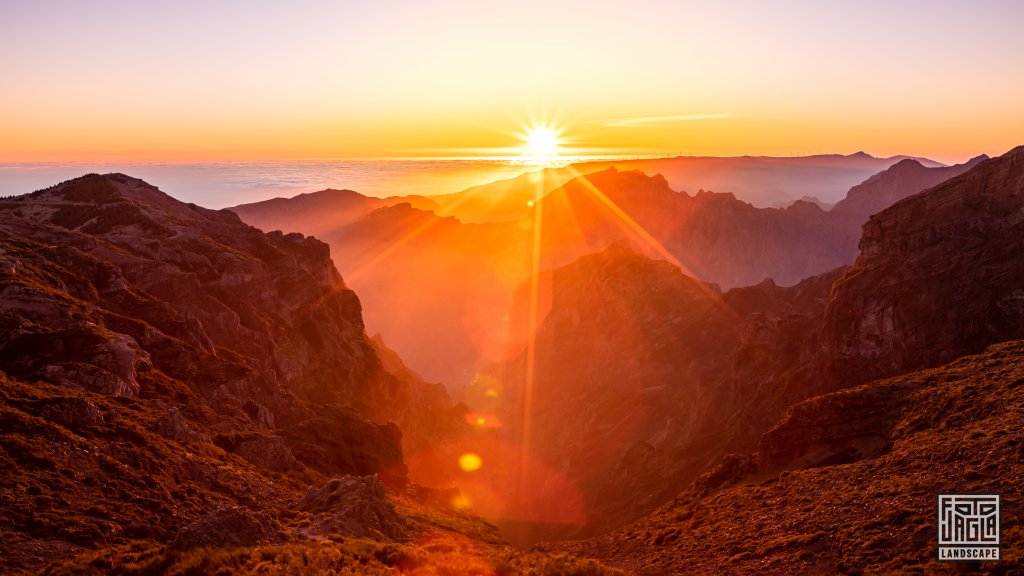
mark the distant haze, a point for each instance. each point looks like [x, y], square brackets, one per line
[222, 184]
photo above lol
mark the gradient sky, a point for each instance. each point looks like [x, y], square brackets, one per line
[219, 80]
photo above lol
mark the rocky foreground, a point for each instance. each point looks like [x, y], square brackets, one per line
[847, 482]
[183, 393]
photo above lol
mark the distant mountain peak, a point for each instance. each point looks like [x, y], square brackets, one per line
[101, 188]
[904, 164]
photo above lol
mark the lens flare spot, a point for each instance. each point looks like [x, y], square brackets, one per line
[483, 420]
[470, 462]
[492, 392]
[461, 502]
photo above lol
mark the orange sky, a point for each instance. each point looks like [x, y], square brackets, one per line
[264, 80]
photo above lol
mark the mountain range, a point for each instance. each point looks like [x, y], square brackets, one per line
[466, 273]
[182, 392]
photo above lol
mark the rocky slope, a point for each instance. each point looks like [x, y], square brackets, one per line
[174, 380]
[847, 482]
[943, 267]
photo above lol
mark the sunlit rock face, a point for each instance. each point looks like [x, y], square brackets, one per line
[939, 275]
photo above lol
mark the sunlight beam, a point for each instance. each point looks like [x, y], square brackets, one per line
[531, 342]
[631, 226]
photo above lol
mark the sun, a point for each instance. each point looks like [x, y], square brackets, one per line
[541, 143]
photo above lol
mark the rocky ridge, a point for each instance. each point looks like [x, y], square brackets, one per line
[173, 380]
[938, 276]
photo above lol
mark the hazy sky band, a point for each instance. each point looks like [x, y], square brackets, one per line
[269, 80]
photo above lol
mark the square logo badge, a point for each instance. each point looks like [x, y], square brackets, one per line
[968, 527]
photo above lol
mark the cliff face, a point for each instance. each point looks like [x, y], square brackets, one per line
[642, 377]
[903, 179]
[717, 238]
[623, 378]
[112, 266]
[939, 275]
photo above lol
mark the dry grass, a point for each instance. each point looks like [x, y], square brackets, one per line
[442, 555]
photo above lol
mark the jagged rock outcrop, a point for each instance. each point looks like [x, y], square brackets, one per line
[939, 275]
[229, 528]
[353, 506]
[267, 451]
[837, 428]
[71, 412]
[173, 426]
[341, 441]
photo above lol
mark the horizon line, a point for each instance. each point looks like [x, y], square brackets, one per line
[524, 160]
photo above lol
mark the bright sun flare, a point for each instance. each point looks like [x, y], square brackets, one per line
[541, 143]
